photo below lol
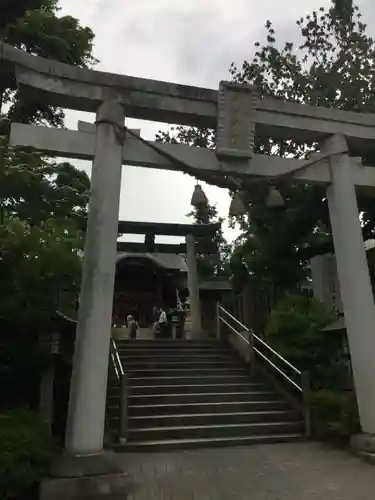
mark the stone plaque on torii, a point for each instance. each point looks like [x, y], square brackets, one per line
[237, 113]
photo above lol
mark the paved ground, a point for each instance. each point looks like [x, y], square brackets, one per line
[300, 471]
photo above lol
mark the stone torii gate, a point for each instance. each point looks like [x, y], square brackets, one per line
[238, 114]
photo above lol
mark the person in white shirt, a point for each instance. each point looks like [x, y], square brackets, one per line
[163, 323]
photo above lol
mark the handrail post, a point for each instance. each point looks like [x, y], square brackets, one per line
[124, 398]
[306, 400]
[218, 326]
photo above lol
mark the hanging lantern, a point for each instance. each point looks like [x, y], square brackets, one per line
[237, 206]
[274, 198]
[199, 198]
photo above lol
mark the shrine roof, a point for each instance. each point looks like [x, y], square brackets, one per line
[165, 260]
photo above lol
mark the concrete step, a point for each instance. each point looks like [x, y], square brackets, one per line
[166, 355]
[166, 388]
[152, 353]
[178, 364]
[193, 443]
[186, 371]
[202, 407]
[187, 379]
[190, 419]
[215, 431]
[168, 344]
[113, 411]
[184, 398]
[190, 394]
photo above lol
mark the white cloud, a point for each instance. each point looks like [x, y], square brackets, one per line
[191, 42]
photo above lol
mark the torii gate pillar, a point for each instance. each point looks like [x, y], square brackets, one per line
[355, 284]
[193, 285]
[86, 415]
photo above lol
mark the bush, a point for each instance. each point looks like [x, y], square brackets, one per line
[25, 454]
[295, 331]
[334, 414]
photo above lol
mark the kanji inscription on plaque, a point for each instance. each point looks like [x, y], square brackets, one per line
[236, 121]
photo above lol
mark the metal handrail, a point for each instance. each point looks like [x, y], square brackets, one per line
[115, 366]
[122, 378]
[303, 388]
[258, 339]
[234, 319]
[277, 354]
[235, 331]
[116, 357]
[278, 369]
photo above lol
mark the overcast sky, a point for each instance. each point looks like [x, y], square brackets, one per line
[191, 42]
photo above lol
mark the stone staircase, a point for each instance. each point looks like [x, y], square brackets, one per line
[188, 394]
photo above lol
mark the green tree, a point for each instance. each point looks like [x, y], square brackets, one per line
[216, 264]
[13, 9]
[43, 202]
[38, 265]
[331, 67]
[208, 265]
[34, 188]
[296, 330]
[34, 26]
[30, 187]
[37, 262]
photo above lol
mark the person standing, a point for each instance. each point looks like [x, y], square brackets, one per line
[155, 315]
[155, 318]
[132, 327]
[163, 323]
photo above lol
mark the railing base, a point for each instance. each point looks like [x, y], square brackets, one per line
[67, 465]
[76, 488]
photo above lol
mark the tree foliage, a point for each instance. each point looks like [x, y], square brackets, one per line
[208, 265]
[14, 9]
[37, 262]
[333, 67]
[216, 264]
[36, 28]
[31, 187]
[43, 202]
[34, 188]
[296, 330]
[25, 455]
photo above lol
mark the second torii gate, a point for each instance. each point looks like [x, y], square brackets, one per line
[238, 114]
[192, 233]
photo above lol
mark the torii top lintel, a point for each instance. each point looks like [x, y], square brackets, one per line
[168, 229]
[84, 89]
